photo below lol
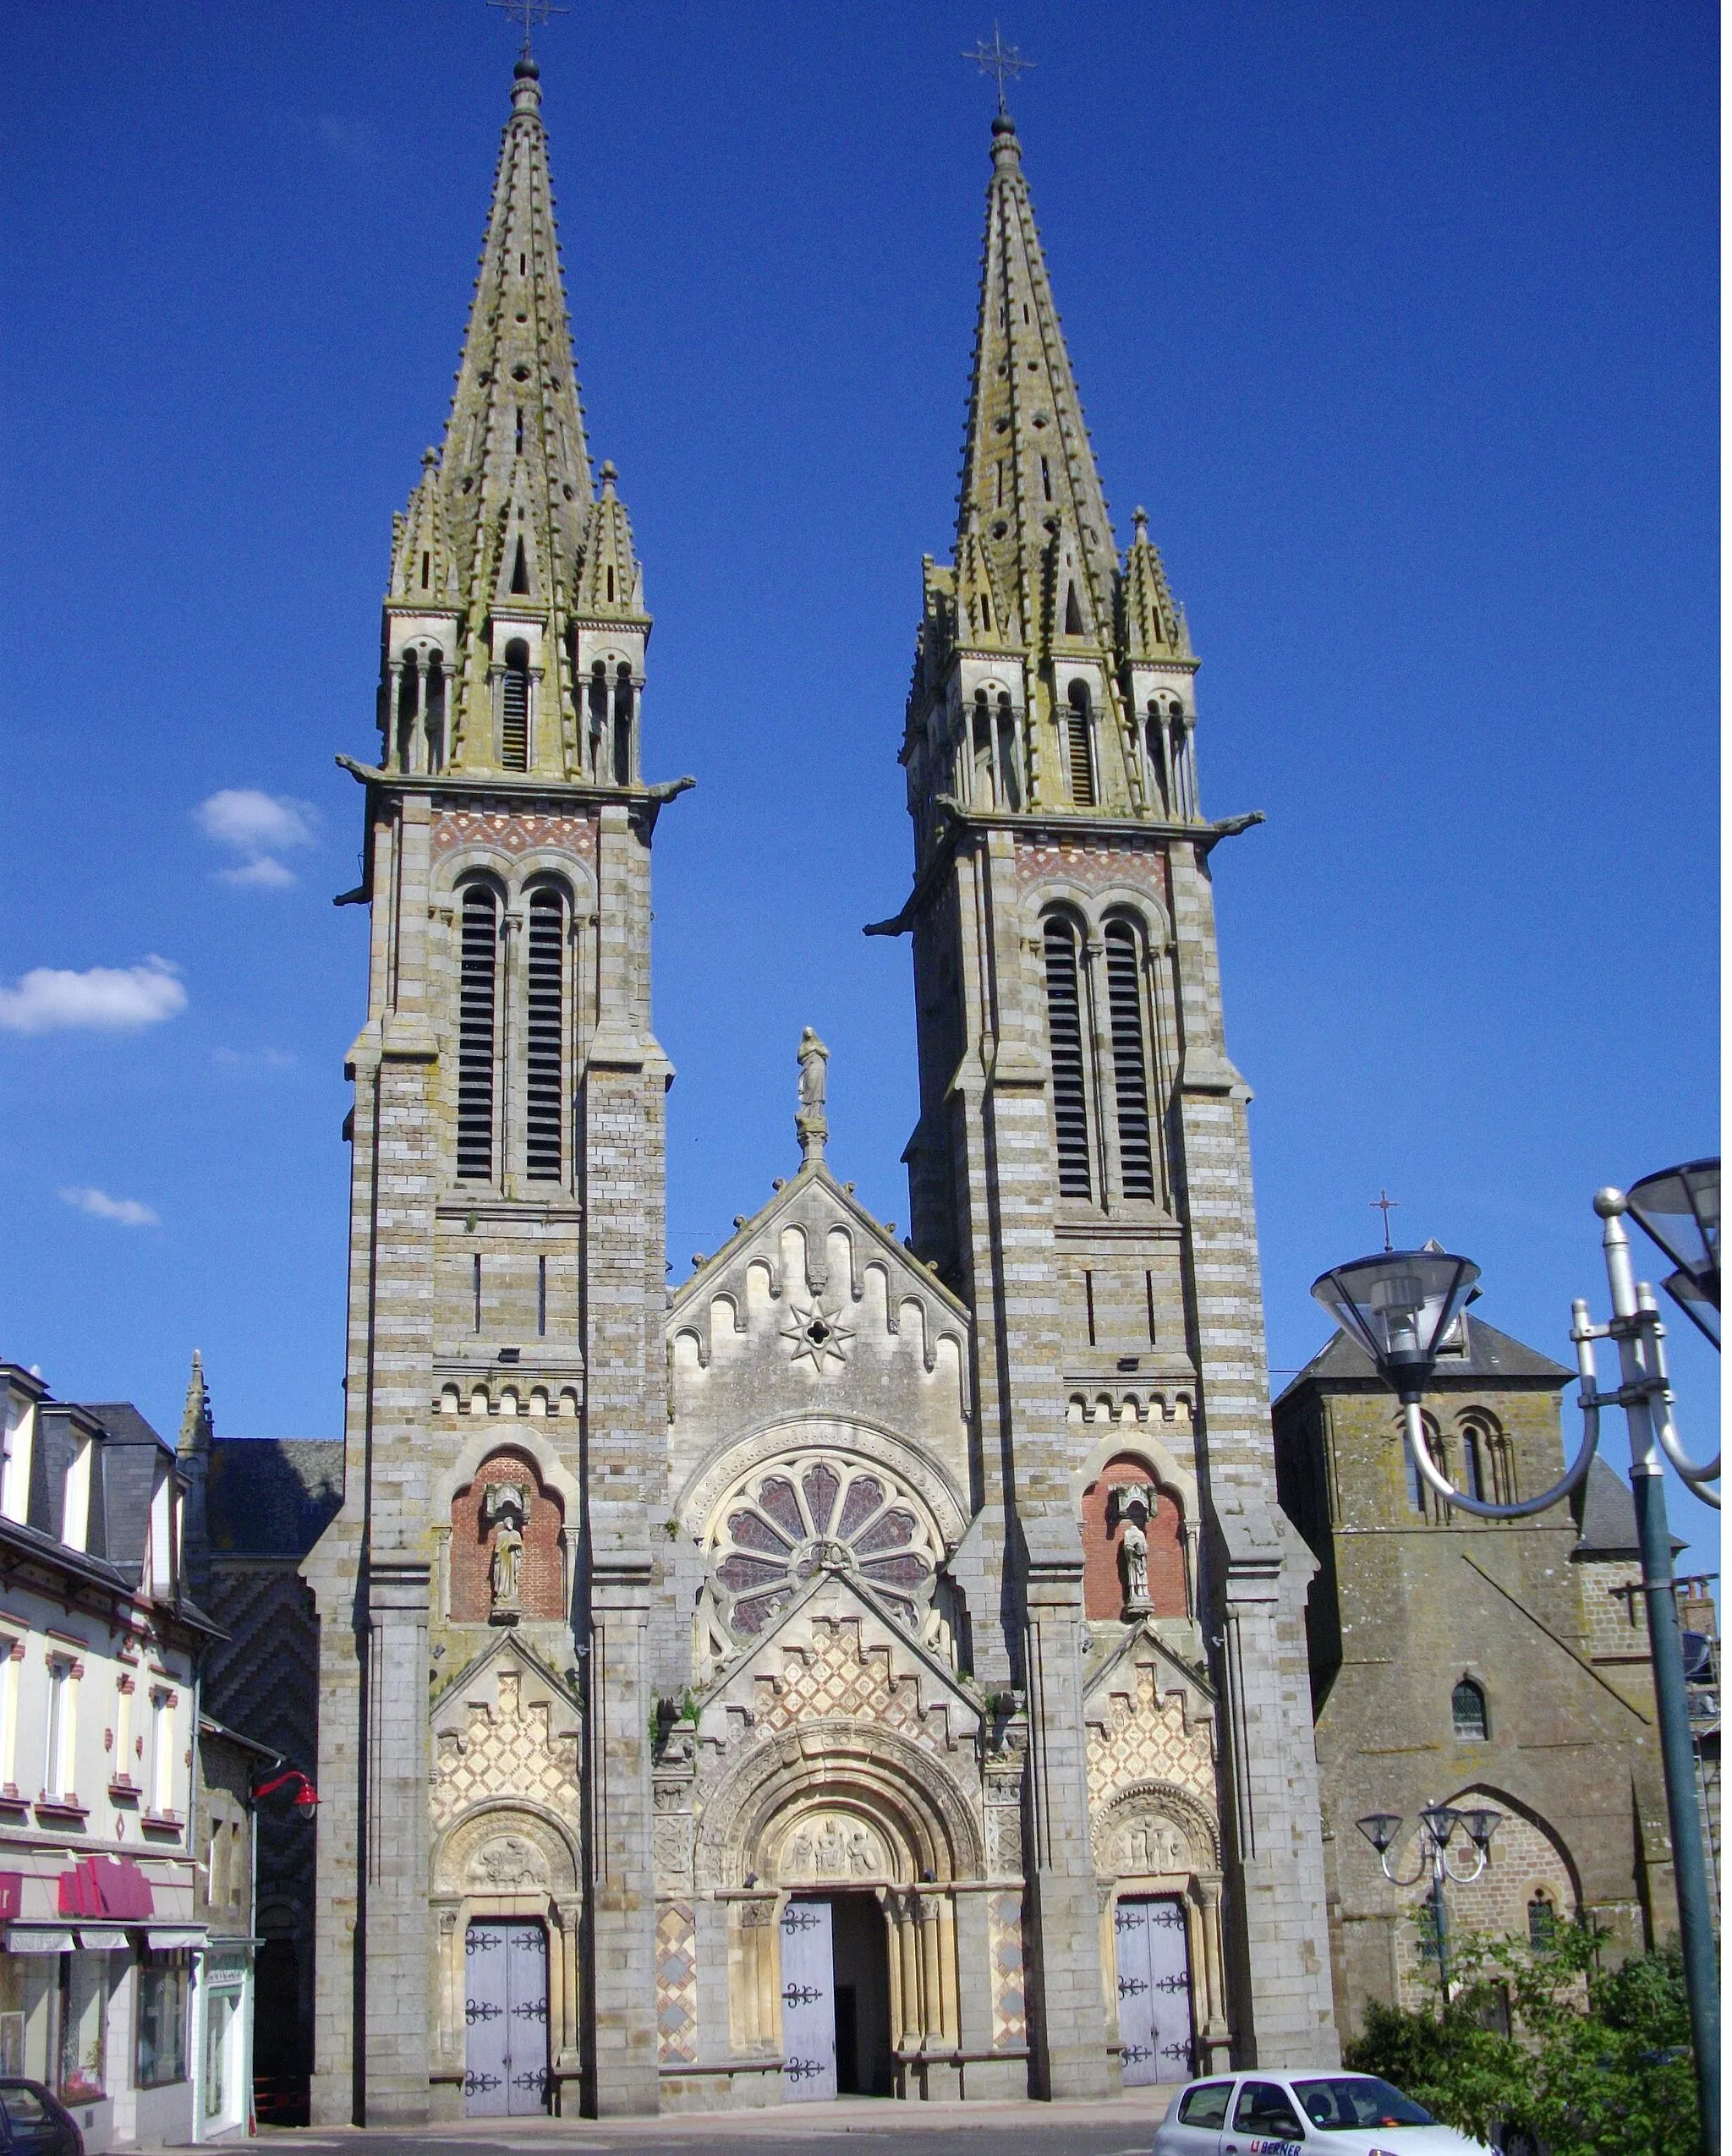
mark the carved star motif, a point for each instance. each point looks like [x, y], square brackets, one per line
[816, 1329]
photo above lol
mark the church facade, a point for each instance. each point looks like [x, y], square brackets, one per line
[873, 1666]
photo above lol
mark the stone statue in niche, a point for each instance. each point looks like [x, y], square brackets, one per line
[1132, 1505]
[811, 1126]
[1153, 1846]
[505, 1510]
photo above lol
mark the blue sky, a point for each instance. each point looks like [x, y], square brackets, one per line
[1402, 320]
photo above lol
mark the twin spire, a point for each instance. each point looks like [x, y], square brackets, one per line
[505, 530]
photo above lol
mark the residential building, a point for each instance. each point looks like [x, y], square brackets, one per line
[100, 1647]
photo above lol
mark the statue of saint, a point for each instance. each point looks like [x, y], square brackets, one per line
[810, 1123]
[505, 1569]
[1133, 1567]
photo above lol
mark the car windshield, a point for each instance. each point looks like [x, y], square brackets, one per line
[1348, 2100]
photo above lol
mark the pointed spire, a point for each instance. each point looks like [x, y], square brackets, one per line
[1029, 487]
[516, 423]
[609, 583]
[197, 1424]
[1151, 619]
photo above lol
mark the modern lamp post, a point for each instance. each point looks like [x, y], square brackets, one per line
[1400, 1305]
[1437, 1829]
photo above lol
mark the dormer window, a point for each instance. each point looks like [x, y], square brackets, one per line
[624, 711]
[609, 584]
[427, 569]
[1079, 757]
[75, 1505]
[520, 572]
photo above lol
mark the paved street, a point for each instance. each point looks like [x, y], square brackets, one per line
[1123, 2128]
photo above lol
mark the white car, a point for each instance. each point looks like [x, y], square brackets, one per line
[1330, 2113]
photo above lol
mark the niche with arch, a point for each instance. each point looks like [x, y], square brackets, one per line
[478, 1517]
[1105, 1521]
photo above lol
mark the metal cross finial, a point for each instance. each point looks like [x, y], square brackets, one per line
[1385, 1204]
[997, 59]
[528, 12]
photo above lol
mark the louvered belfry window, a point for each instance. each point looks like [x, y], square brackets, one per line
[478, 999]
[545, 1039]
[1081, 765]
[1063, 1025]
[514, 709]
[1130, 1061]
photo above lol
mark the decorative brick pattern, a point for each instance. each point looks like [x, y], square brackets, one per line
[1143, 1738]
[676, 1982]
[837, 1678]
[516, 832]
[1010, 2019]
[506, 1751]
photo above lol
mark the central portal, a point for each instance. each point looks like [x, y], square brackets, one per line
[834, 1998]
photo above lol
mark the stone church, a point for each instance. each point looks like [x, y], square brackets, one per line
[874, 1666]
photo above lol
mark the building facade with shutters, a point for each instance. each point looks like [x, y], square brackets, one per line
[879, 1664]
[102, 1924]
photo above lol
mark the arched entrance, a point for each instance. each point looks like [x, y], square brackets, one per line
[841, 1850]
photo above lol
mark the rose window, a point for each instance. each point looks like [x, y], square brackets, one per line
[808, 1514]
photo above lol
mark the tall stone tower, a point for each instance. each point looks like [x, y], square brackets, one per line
[1080, 1172]
[506, 1417]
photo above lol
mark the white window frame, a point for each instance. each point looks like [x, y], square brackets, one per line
[75, 1500]
[60, 1749]
[15, 1476]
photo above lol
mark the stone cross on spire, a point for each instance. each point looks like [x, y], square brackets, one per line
[997, 59]
[528, 12]
[810, 1124]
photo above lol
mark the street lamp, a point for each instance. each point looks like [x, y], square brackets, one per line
[1680, 1208]
[1437, 1829]
[1400, 1305]
[305, 1798]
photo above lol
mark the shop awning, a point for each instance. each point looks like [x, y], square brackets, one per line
[38, 1939]
[98, 1940]
[163, 1936]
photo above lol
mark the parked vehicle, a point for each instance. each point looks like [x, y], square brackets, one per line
[38, 2123]
[1270, 2114]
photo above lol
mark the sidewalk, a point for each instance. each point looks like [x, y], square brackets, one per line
[1133, 2116]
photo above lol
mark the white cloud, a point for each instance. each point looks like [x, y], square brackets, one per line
[265, 871]
[253, 1059]
[259, 826]
[107, 999]
[127, 1212]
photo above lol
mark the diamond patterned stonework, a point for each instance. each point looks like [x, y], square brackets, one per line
[1010, 2025]
[1144, 1738]
[676, 1982]
[837, 1678]
[506, 1751]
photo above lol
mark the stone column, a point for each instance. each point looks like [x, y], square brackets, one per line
[1064, 1936]
[394, 1913]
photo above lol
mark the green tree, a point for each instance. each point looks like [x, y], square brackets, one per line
[1537, 2043]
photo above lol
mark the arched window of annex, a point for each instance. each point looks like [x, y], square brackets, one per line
[1542, 1920]
[409, 704]
[478, 912]
[1126, 972]
[1423, 1500]
[1079, 745]
[1468, 1715]
[546, 972]
[1485, 1458]
[514, 707]
[1126, 1500]
[1062, 938]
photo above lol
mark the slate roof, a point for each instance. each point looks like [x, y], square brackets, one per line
[271, 1497]
[1605, 1514]
[1491, 1358]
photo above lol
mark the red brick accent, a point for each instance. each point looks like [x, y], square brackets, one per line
[541, 1592]
[1103, 1589]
